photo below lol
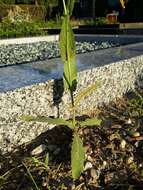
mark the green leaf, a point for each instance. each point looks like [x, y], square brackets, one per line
[47, 161]
[42, 119]
[37, 162]
[67, 50]
[70, 6]
[31, 177]
[65, 8]
[86, 92]
[77, 156]
[90, 122]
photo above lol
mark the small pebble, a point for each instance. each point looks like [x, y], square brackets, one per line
[86, 131]
[117, 126]
[73, 187]
[123, 144]
[89, 158]
[137, 144]
[10, 161]
[129, 121]
[87, 166]
[39, 149]
[104, 163]
[94, 174]
[136, 134]
[130, 160]
[44, 184]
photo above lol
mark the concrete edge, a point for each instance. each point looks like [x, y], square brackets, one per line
[51, 38]
[26, 40]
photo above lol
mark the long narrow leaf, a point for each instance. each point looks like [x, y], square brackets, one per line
[90, 122]
[86, 92]
[67, 49]
[77, 156]
[36, 161]
[54, 121]
[47, 161]
[70, 6]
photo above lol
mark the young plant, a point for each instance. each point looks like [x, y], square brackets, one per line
[67, 48]
[31, 177]
[135, 106]
[44, 165]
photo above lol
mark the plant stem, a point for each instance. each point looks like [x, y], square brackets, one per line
[73, 109]
[65, 10]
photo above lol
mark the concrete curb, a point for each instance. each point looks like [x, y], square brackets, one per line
[27, 40]
[44, 99]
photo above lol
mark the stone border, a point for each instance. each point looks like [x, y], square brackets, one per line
[43, 51]
[26, 40]
[116, 79]
[118, 38]
[33, 49]
[80, 37]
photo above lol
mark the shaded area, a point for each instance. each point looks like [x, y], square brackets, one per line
[58, 90]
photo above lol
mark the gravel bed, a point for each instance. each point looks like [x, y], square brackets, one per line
[22, 53]
[45, 99]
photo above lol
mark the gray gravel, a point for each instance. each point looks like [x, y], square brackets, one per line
[22, 53]
[43, 99]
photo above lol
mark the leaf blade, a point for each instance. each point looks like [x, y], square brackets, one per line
[43, 119]
[90, 122]
[70, 6]
[77, 156]
[67, 50]
[86, 92]
[46, 163]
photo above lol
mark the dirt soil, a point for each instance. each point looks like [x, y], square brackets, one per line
[114, 153]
